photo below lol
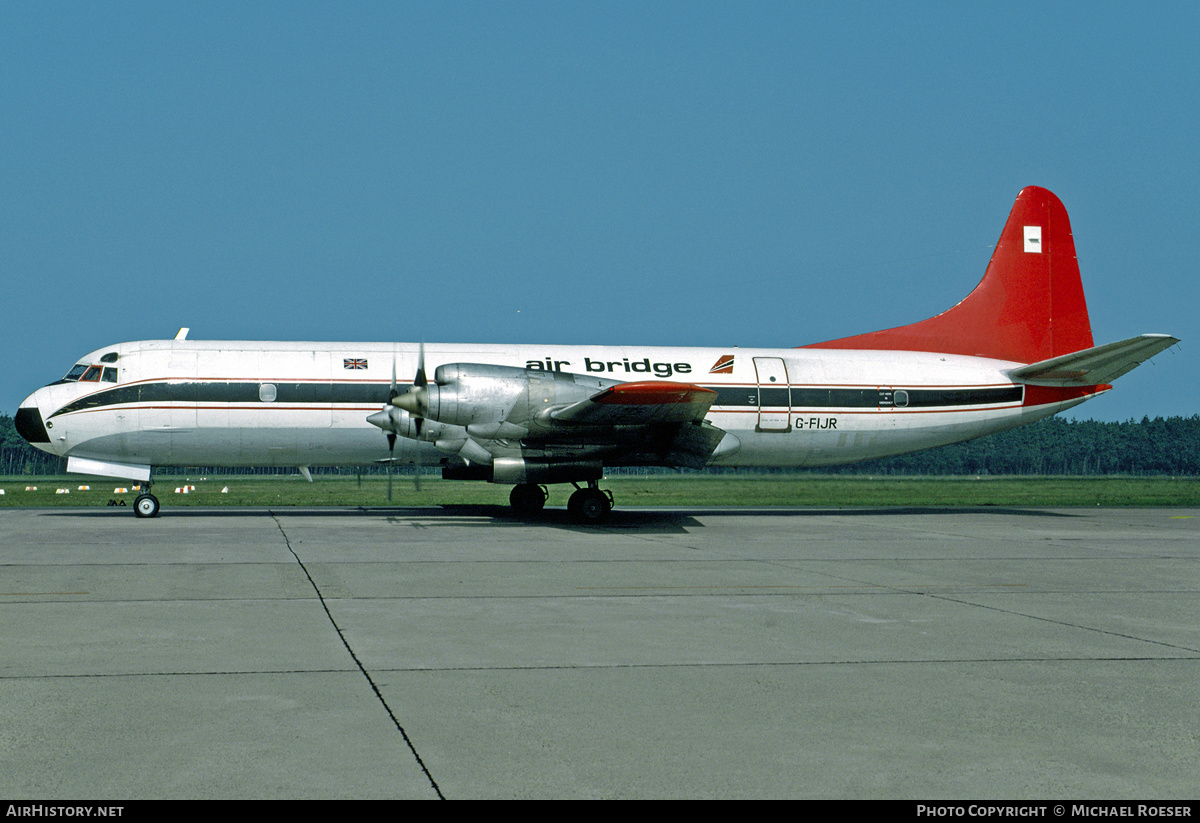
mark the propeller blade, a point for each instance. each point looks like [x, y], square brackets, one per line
[421, 381]
[415, 400]
[391, 438]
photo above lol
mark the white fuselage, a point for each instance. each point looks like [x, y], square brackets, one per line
[231, 403]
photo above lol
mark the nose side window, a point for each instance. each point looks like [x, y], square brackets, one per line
[110, 375]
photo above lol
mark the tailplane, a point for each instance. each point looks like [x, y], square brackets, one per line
[1029, 307]
[1093, 367]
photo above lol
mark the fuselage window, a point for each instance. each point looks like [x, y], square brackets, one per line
[900, 398]
[110, 375]
[92, 375]
[266, 392]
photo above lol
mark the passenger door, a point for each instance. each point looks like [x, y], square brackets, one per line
[774, 395]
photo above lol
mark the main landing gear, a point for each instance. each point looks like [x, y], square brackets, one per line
[587, 506]
[590, 506]
[528, 499]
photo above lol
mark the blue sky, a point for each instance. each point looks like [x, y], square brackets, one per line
[711, 174]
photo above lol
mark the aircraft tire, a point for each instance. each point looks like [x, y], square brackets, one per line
[589, 507]
[146, 505]
[527, 498]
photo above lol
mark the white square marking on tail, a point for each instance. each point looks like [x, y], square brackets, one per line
[1033, 238]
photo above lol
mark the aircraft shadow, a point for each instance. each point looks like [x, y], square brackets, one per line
[647, 520]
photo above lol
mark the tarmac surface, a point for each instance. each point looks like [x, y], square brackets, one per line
[460, 652]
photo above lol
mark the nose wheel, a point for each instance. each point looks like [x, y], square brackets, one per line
[146, 505]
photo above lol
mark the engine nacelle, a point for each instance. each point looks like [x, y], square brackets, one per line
[516, 470]
[461, 394]
[495, 402]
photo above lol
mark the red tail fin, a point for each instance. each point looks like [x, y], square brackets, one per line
[1028, 307]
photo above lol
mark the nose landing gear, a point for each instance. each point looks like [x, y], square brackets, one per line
[146, 504]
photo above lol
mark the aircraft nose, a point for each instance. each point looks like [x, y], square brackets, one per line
[29, 423]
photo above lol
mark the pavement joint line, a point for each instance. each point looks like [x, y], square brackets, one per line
[1121, 635]
[408, 741]
[962, 602]
[710, 664]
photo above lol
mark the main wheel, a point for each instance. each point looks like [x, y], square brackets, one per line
[146, 505]
[589, 506]
[527, 498]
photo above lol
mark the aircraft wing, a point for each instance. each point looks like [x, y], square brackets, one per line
[639, 403]
[650, 423]
[1095, 366]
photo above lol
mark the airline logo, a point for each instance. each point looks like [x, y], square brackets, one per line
[622, 366]
[724, 365]
[1033, 239]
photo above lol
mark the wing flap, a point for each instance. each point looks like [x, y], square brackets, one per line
[1095, 366]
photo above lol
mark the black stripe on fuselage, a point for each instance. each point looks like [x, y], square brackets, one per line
[822, 398]
[221, 391]
[376, 394]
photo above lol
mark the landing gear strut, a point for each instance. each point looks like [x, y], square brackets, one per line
[590, 506]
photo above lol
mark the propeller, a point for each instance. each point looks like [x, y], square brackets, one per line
[391, 435]
[391, 438]
[420, 394]
[415, 401]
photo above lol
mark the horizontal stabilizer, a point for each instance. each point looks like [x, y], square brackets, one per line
[1096, 366]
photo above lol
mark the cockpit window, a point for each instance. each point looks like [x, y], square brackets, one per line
[111, 357]
[92, 374]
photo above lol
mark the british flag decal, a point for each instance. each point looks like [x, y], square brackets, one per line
[354, 363]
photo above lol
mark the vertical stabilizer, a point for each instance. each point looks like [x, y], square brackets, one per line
[1028, 307]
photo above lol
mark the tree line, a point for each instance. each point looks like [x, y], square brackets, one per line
[1056, 446]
